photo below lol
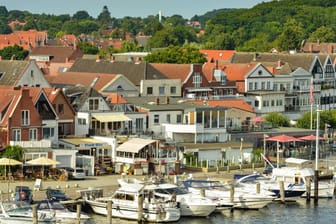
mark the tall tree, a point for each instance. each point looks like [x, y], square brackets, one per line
[324, 34]
[291, 36]
[81, 15]
[105, 16]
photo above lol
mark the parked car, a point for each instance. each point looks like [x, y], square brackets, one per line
[78, 174]
[56, 194]
[23, 193]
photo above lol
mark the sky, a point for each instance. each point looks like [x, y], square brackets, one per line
[122, 8]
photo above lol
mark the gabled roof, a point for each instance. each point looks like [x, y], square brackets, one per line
[229, 103]
[83, 93]
[135, 72]
[303, 60]
[52, 94]
[115, 98]
[174, 71]
[58, 54]
[237, 72]
[83, 78]
[12, 71]
[218, 55]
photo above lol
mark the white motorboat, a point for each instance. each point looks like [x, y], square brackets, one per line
[267, 184]
[19, 212]
[62, 214]
[223, 193]
[298, 177]
[190, 204]
[126, 204]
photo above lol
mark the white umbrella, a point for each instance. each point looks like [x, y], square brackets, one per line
[43, 161]
[9, 162]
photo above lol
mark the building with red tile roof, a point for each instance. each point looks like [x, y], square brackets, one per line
[54, 59]
[26, 39]
[218, 55]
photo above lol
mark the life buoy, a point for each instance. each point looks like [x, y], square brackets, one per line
[22, 195]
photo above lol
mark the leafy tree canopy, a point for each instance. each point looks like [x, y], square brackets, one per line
[277, 119]
[176, 55]
[15, 51]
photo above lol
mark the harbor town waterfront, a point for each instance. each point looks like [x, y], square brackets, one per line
[300, 211]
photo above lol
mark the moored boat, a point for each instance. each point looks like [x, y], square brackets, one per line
[131, 202]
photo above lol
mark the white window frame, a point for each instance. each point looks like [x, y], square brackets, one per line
[33, 134]
[25, 115]
[16, 135]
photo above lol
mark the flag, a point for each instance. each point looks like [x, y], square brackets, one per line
[311, 93]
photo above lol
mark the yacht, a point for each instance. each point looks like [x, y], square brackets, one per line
[190, 204]
[126, 204]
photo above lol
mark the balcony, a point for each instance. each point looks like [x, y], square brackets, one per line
[32, 144]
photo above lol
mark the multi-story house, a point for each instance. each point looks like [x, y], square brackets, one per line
[21, 73]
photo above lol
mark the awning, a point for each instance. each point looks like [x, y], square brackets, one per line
[111, 117]
[134, 145]
[86, 142]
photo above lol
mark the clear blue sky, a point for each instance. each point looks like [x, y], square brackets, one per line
[132, 8]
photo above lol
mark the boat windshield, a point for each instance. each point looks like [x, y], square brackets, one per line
[170, 191]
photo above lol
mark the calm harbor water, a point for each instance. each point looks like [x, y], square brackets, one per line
[291, 212]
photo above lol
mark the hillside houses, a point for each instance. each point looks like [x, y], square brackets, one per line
[94, 106]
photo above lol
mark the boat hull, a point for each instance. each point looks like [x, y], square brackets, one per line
[132, 213]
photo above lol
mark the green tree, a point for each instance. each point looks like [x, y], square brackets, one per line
[13, 152]
[129, 46]
[4, 28]
[81, 15]
[105, 16]
[15, 51]
[87, 48]
[292, 36]
[176, 55]
[324, 34]
[326, 117]
[277, 119]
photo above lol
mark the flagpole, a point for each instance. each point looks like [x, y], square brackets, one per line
[311, 99]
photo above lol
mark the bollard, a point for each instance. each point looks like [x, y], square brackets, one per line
[258, 188]
[282, 191]
[109, 212]
[34, 209]
[232, 194]
[140, 206]
[308, 189]
[78, 210]
[202, 192]
[252, 166]
[77, 185]
[228, 169]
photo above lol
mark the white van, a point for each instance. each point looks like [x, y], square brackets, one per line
[78, 174]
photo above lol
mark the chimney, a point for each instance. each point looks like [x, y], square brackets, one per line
[318, 41]
[112, 58]
[310, 47]
[279, 63]
[157, 100]
[216, 64]
[75, 44]
[0, 58]
[98, 58]
[167, 99]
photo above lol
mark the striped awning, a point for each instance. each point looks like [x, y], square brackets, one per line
[111, 117]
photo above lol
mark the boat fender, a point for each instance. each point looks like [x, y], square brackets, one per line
[22, 195]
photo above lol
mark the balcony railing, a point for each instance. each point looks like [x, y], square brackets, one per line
[32, 144]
